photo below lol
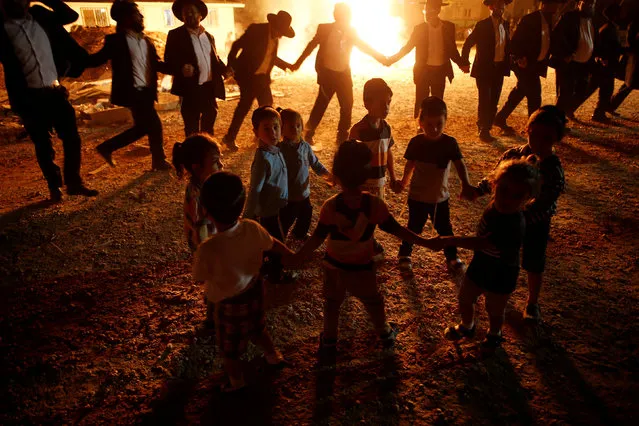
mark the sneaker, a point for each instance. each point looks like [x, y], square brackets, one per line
[106, 155]
[532, 312]
[161, 165]
[326, 346]
[485, 136]
[405, 264]
[82, 190]
[613, 113]
[456, 266]
[55, 195]
[389, 338]
[230, 145]
[505, 127]
[459, 332]
[491, 342]
[601, 118]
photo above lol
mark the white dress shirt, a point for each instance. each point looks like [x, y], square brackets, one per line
[585, 45]
[338, 51]
[202, 47]
[435, 45]
[270, 51]
[139, 50]
[33, 50]
[500, 39]
[545, 38]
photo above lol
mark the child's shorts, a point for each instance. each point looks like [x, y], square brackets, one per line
[534, 246]
[374, 189]
[240, 319]
[492, 275]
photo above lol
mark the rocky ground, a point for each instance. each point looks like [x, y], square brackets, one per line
[100, 321]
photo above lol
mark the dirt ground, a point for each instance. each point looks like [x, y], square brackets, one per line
[100, 321]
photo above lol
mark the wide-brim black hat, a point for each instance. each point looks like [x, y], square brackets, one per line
[489, 2]
[178, 5]
[120, 9]
[282, 21]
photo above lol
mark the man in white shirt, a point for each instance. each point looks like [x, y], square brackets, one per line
[530, 49]
[198, 72]
[333, 66]
[572, 45]
[36, 52]
[134, 64]
[435, 48]
[491, 63]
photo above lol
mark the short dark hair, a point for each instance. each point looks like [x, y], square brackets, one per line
[433, 106]
[352, 164]
[223, 197]
[288, 114]
[374, 88]
[264, 113]
[522, 171]
[193, 150]
[550, 115]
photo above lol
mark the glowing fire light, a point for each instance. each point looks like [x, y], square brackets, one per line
[373, 21]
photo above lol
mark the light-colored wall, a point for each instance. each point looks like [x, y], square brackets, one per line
[220, 22]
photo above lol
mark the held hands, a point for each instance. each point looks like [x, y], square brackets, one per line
[296, 66]
[522, 62]
[469, 193]
[229, 72]
[465, 68]
[188, 70]
[397, 186]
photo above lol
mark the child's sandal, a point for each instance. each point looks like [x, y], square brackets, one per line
[459, 332]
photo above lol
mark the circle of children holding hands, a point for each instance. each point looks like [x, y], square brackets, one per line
[238, 234]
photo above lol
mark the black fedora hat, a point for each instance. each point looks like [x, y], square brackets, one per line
[178, 5]
[282, 21]
[439, 3]
[120, 9]
[489, 2]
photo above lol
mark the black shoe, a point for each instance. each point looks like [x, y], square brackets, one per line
[388, 339]
[491, 343]
[505, 127]
[327, 350]
[230, 145]
[55, 195]
[106, 155]
[600, 118]
[459, 332]
[161, 165]
[82, 190]
[613, 113]
[485, 136]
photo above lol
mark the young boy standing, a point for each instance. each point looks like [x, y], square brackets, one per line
[375, 133]
[229, 263]
[428, 158]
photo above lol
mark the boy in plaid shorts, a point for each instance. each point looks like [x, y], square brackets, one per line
[229, 263]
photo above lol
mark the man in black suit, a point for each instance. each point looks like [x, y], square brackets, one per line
[333, 68]
[435, 48]
[134, 64]
[198, 71]
[36, 51]
[491, 63]
[530, 50]
[252, 58]
[631, 71]
[572, 44]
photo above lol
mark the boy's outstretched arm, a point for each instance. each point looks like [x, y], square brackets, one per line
[281, 249]
[390, 165]
[409, 168]
[468, 191]
[394, 228]
[470, 243]
[312, 244]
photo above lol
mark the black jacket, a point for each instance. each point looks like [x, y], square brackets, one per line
[68, 56]
[253, 44]
[116, 50]
[526, 42]
[631, 76]
[419, 40]
[178, 52]
[483, 36]
[564, 39]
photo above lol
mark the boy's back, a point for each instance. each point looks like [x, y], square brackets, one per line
[228, 261]
[379, 142]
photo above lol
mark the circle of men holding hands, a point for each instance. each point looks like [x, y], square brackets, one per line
[233, 255]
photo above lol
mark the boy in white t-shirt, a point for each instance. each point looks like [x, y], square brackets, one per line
[229, 263]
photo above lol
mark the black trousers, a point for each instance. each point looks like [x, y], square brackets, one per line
[418, 214]
[146, 122]
[572, 85]
[258, 87]
[47, 110]
[333, 83]
[489, 89]
[273, 267]
[431, 83]
[199, 111]
[604, 80]
[300, 213]
[529, 87]
[620, 96]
